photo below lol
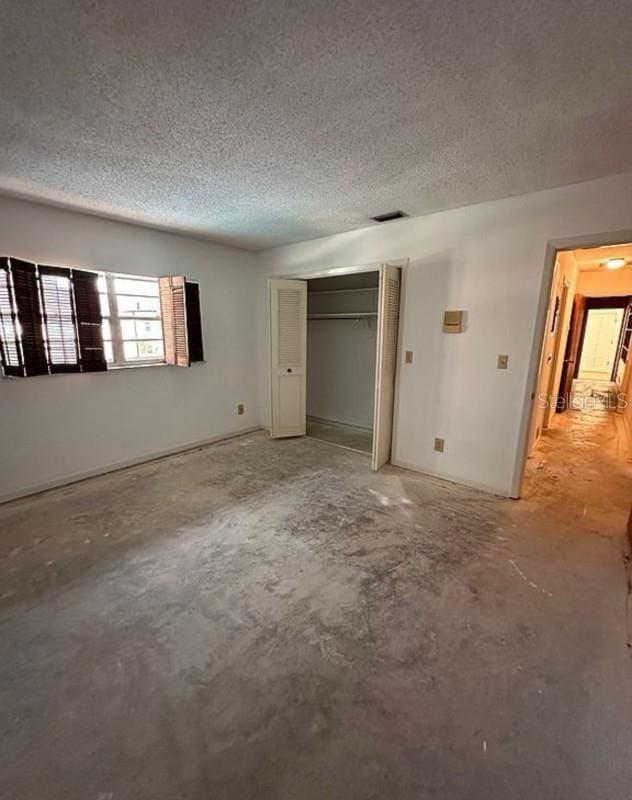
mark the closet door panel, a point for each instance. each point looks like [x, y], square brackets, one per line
[288, 335]
[386, 363]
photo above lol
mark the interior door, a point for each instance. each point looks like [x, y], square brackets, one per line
[601, 339]
[573, 344]
[385, 365]
[288, 336]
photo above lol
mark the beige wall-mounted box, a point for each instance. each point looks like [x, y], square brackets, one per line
[453, 321]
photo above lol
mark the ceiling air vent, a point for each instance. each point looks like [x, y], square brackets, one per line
[389, 217]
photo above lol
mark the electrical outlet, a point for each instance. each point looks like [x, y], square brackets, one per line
[408, 358]
[240, 409]
[503, 362]
[438, 445]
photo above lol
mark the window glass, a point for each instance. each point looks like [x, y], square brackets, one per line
[141, 329]
[137, 327]
[143, 350]
[137, 306]
[147, 287]
[105, 313]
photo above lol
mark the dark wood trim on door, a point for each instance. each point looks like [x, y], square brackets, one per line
[571, 353]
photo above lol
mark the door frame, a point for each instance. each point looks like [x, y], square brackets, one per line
[558, 355]
[351, 269]
[553, 246]
[592, 303]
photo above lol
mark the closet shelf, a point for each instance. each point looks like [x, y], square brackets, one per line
[344, 291]
[346, 315]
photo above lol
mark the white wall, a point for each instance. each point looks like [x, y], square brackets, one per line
[488, 259]
[341, 370]
[55, 428]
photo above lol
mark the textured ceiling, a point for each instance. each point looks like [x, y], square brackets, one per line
[590, 259]
[259, 123]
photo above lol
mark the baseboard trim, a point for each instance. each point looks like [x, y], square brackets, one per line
[481, 487]
[77, 477]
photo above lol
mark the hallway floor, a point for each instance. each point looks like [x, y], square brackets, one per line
[270, 620]
[583, 463]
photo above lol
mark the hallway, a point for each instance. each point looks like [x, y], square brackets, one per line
[582, 466]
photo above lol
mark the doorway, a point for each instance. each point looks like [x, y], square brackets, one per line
[333, 358]
[599, 346]
[580, 402]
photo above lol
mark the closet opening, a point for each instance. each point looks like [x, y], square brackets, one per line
[333, 358]
[341, 355]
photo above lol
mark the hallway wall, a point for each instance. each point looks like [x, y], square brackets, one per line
[605, 283]
[625, 397]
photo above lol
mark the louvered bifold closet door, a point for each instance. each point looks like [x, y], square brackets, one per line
[385, 364]
[288, 374]
[27, 303]
[89, 321]
[10, 351]
[174, 320]
[59, 319]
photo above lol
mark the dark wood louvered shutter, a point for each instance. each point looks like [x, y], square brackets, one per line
[174, 320]
[10, 351]
[89, 321]
[29, 316]
[194, 322]
[59, 319]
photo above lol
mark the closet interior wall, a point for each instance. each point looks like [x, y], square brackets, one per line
[341, 347]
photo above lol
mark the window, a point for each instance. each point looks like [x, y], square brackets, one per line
[56, 319]
[132, 325]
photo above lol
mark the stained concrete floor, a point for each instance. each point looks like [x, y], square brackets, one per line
[269, 619]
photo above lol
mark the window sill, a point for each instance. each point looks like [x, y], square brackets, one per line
[114, 367]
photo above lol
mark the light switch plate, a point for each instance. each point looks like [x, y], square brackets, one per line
[503, 361]
[453, 321]
[240, 409]
[439, 445]
[409, 357]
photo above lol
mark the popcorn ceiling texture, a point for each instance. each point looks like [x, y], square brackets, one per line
[261, 123]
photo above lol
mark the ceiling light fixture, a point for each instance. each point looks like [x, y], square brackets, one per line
[614, 263]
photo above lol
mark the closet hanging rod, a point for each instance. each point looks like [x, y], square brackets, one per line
[345, 291]
[347, 315]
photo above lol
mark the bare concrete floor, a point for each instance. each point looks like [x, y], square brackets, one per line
[268, 619]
